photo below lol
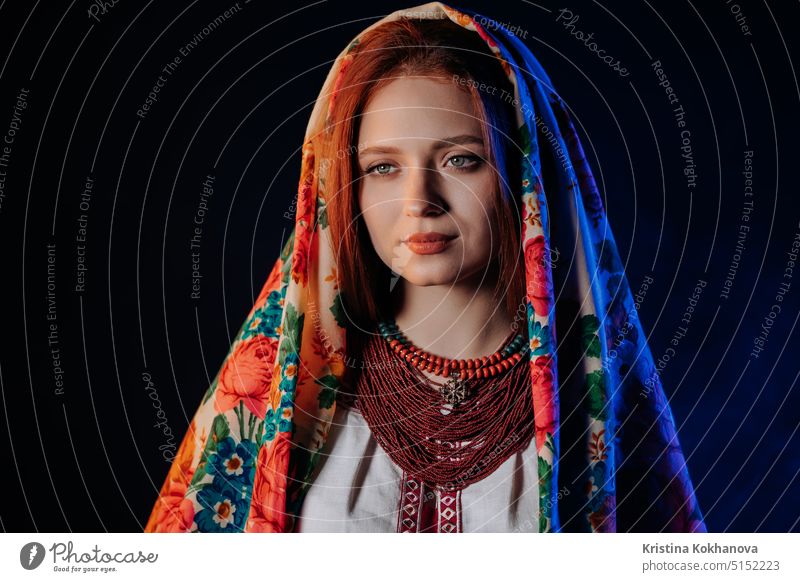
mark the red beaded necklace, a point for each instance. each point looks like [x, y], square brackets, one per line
[458, 372]
[486, 367]
[448, 445]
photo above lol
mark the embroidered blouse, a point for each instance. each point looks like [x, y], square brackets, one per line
[356, 487]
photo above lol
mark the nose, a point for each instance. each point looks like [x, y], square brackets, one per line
[420, 193]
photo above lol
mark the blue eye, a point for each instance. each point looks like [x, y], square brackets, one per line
[462, 161]
[458, 162]
[380, 169]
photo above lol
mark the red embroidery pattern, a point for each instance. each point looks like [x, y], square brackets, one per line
[410, 505]
[423, 510]
[449, 514]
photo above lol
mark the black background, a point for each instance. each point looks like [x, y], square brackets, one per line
[237, 107]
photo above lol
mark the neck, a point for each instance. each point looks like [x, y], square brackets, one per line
[462, 320]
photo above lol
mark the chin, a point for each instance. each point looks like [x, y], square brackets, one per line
[428, 281]
[441, 274]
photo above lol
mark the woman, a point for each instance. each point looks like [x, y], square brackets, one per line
[448, 342]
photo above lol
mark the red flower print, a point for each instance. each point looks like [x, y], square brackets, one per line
[247, 376]
[173, 512]
[597, 448]
[300, 256]
[268, 506]
[305, 202]
[539, 284]
[545, 402]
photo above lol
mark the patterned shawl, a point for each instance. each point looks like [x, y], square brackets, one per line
[608, 453]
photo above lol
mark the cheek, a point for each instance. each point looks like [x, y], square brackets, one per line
[474, 208]
[378, 216]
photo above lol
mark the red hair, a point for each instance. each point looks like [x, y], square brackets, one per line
[414, 47]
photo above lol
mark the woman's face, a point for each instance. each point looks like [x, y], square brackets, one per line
[426, 190]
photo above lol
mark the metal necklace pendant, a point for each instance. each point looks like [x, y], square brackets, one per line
[455, 390]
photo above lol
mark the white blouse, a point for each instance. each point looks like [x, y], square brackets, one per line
[356, 487]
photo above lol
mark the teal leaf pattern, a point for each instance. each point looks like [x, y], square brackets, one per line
[327, 394]
[596, 395]
[590, 340]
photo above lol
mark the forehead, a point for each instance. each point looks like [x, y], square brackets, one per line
[418, 107]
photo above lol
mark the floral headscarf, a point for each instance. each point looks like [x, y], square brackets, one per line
[247, 456]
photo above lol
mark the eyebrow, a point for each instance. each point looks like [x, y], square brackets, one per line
[438, 144]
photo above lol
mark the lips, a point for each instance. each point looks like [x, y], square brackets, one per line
[423, 237]
[428, 243]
